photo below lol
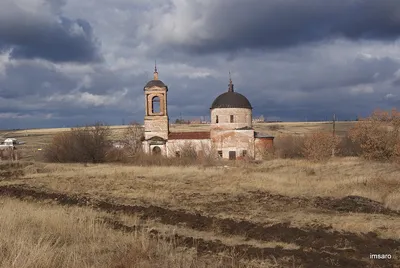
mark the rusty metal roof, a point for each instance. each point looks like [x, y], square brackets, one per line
[198, 135]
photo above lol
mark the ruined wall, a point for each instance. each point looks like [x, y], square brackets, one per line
[156, 126]
[148, 147]
[233, 140]
[242, 118]
[201, 146]
[263, 145]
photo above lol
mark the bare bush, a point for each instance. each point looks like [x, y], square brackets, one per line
[133, 137]
[319, 146]
[289, 146]
[263, 152]
[188, 151]
[378, 135]
[117, 155]
[315, 146]
[190, 154]
[10, 154]
[87, 144]
[348, 147]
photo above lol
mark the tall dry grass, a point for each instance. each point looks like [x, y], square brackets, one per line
[218, 191]
[45, 236]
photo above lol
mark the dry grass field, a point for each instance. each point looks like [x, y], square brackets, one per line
[281, 213]
[278, 213]
[44, 235]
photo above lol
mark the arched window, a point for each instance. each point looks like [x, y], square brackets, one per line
[156, 150]
[155, 104]
[216, 119]
[232, 119]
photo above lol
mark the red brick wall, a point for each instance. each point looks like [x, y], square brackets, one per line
[264, 142]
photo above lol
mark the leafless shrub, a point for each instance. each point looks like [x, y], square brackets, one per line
[87, 144]
[319, 146]
[188, 150]
[117, 155]
[263, 152]
[378, 135]
[315, 146]
[348, 147]
[10, 154]
[289, 146]
[133, 137]
[201, 154]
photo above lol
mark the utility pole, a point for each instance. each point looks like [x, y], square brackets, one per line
[333, 134]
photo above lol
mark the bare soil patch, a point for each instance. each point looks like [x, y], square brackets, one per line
[278, 202]
[284, 256]
[319, 246]
[356, 204]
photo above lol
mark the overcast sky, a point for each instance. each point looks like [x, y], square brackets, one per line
[72, 62]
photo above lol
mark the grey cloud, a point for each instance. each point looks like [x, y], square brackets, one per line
[316, 76]
[56, 5]
[46, 36]
[230, 25]
[292, 80]
[33, 80]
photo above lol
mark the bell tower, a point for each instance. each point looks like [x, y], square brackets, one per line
[156, 122]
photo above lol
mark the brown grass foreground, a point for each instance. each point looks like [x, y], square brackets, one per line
[283, 206]
[47, 236]
[218, 190]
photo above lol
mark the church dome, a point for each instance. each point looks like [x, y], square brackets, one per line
[155, 83]
[231, 99]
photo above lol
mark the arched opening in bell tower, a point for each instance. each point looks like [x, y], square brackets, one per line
[155, 104]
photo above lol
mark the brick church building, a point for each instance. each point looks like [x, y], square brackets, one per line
[231, 134]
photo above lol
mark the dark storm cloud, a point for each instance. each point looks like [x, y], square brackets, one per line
[34, 94]
[322, 57]
[33, 80]
[51, 37]
[320, 75]
[235, 24]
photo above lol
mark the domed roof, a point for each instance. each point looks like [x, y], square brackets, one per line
[155, 83]
[231, 99]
